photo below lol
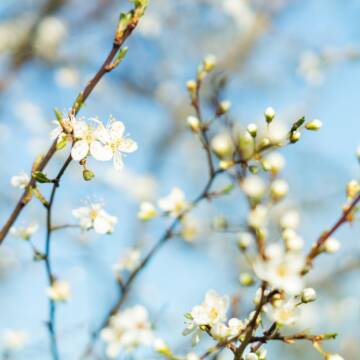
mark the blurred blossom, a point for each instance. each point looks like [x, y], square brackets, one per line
[14, 340]
[150, 26]
[127, 330]
[129, 260]
[310, 68]
[240, 11]
[50, 34]
[67, 77]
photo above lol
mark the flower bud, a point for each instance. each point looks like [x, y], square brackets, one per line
[209, 63]
[246, 279]
[269, 114]
[253, 186]
[88, 175]
[147, 211]
[308, 295]
[222, 145]
[244, 240]
[224, 107]
[279, 189]
[314, 125]
[252, 129]
[193, 123]
[332, 245]
[352, 188]
[191, 85]
[295, 136]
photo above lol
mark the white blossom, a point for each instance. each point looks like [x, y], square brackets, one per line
[290, 220]
[253, 186]
[222, 145]
[14, 340]
[332, 245]
[334, 357]
[279, 189]
[111, 143]
[24, 232]
[95, 217]
[251, 356]
[275, 162]
[284, 312]
[127, 330]
[258, 216]
[282, 271]
[175, 203]
[20, 181]
[308, 295]
[59, 290]
[147, 211]
[211, 311]
[128, 261]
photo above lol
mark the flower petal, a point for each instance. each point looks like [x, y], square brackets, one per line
[80, 150]
[79, 129]
[118, 163]
[117, 129]
[100, 152]
[128, 146]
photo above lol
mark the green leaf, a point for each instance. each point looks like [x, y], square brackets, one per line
[41, 177]
[298, 124]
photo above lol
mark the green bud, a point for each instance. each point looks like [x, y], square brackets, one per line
[88, 175]
[246, 279]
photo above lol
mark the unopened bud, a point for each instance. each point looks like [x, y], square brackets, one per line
[88, 175]
[191, 85]
[246, 279]
[269, 114]
[193, 123]
[295, 136]
[332, 245]
[209, 63]
[308, 295]
[279, 189]
[224, 107]
[252, 129]
[314, 125]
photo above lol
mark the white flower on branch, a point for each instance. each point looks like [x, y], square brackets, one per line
[210, 312]
[24, 232]
[253, 186]
[284, 312]
[110, 143]
[175, 203]
[127, 330]
[147, 211]
[95, 217]
[20, 181]
[281, 269]
[14, 340]
[128, 261]
[59, 291]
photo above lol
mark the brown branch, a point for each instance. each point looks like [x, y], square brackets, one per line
[126, 286]
[318, 246]
[119, 39]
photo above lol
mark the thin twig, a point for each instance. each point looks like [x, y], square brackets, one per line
[26, 197]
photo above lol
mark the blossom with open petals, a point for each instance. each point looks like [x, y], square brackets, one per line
[127, 330]
[24, 232]
[14, 340]
[59, 290]
[281, 270]
[95, 217]
[112, 144]
[175, 203]
[20, 181]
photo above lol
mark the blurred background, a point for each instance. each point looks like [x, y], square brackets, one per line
[300, 57]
